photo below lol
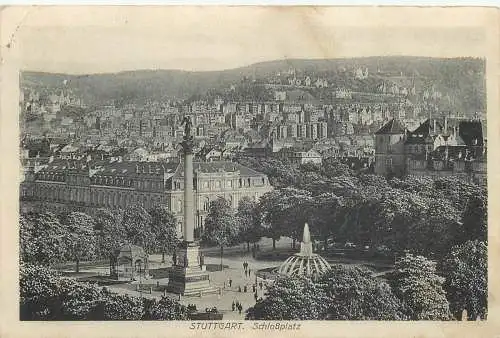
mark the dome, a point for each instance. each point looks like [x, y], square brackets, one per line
[305, 263]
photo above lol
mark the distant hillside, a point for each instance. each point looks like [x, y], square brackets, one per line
[463, 78]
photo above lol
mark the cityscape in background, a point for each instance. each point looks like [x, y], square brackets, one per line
[387, 121]
[376, 166]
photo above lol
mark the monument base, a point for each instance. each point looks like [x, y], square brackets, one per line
[188, 276]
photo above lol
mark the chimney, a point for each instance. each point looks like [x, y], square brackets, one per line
[445, 124]
[434, 126]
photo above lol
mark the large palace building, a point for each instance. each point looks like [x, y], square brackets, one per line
[88, 185]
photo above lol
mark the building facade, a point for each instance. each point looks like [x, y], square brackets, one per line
[433, 149]
[389, 149]
[86, 186]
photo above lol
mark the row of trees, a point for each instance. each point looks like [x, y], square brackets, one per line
[45, 295]
[47, 238]
[443, 219]
[225, 227]
[415, 291]
[419, 214]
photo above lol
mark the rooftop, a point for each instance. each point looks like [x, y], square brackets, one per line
[394, 126]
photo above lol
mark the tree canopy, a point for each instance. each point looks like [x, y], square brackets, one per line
[466, 283]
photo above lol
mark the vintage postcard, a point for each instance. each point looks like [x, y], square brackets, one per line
[249, 171]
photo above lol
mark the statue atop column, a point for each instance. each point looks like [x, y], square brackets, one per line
[187, 143]
[188, 124]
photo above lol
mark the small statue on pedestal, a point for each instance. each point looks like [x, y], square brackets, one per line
[186, 121]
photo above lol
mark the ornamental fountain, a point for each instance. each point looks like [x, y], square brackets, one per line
[305, 262]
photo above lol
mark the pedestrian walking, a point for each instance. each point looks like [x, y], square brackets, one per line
[249, 272]
[230, 282]
[260, 285]
[233, 306]
[254, 288]
[245, 288]
[239, 288]
[240, 307]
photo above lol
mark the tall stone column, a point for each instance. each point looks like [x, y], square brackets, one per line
[188, 195]
[188, 275]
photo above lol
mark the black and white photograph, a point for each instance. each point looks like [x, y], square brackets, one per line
[246, 165]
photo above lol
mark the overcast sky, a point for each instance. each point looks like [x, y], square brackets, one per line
[213, 38]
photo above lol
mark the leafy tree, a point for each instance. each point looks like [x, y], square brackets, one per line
[269, 206]
[37, 292]
[42, 238]
[355, 294]
[45, 295]
[422, 185]
[323, 217]
[79, 301]
[109, 230]
[466, 284]
[137, 225]
[417, 285]
[163, 226]
[291, 298]
[221, 227]
[285, 212]
[475, 218]
[122, 307]
[80, 236]
[331, 167]
[437, 231]
[249, 220]
[457, 190]
[164, 309]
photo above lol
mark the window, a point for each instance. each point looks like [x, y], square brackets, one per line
[205, 184]
[229, 184]
[388, 162]
[217, 184]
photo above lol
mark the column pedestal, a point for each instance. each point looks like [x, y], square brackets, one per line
[188, 277]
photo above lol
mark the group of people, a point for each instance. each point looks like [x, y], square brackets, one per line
[246, 269]
[237, 306]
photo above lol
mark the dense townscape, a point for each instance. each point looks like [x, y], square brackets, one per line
[382, 160]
